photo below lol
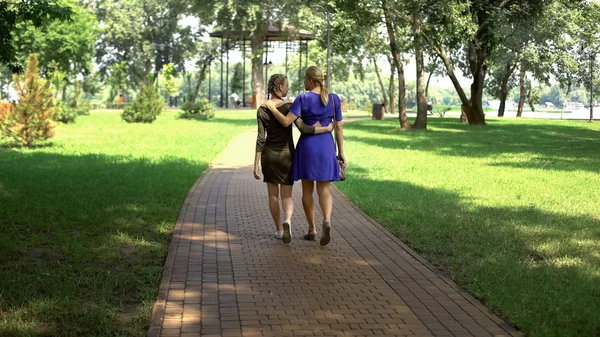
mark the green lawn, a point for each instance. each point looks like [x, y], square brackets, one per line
[356, 114]
[510, 211]
[85, 223]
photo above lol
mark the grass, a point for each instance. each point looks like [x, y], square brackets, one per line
[86, 222]
[356, 114]
[510, 211]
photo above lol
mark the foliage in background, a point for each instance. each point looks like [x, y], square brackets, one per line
[30, 120]
[38, 13]
[202, 109]
[146, 106]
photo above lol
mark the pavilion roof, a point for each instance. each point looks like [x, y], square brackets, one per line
[274, 33]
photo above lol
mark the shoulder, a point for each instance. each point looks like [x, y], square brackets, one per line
[300, 97]
[335, 97]
[261, 111]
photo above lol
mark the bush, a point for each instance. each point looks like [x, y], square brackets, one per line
[64, 113]
[67, 112]
[30, 120]
[369, 107]
[201, 110]
[146, 106]
[84, 108]
[351, 105]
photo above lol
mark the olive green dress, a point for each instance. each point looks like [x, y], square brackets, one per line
[277, 147]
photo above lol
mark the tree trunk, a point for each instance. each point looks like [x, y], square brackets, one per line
[385, 100]
[427, 85]
[118, 95]
[477, 59]
[521, 89]
[529, 98]
[466, 103]
[258, 81]
[504, 89]
[395, 52]
[392, 108]
[421, 122]
[463, 114]
[64, 93]
[201, 77]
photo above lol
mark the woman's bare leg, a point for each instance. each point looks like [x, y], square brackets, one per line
[325, 200]
[288, 203]
[273, 190]
[308, 203]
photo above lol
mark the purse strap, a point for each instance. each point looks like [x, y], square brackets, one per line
[334, 141]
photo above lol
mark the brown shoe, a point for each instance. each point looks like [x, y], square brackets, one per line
[311, 235]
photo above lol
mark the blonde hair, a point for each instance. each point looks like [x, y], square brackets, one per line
[315, 74]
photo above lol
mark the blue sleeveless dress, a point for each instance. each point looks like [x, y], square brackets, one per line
[314, 158]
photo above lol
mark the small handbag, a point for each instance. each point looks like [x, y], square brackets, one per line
[342, 169]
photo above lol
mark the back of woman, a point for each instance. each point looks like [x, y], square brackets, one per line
[278, 137]
[314, 158]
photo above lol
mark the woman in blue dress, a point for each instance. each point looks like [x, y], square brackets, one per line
[314, 160]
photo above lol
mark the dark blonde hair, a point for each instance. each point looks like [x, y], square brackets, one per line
[315, 74]
[275, 81]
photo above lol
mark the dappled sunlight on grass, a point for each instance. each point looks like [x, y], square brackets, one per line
[510, 211]
[86, 223]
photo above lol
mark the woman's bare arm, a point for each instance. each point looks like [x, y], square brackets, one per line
[312, 130]
[283, 119]
[339, 138]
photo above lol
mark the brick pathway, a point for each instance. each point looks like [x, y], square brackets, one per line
[227, 275]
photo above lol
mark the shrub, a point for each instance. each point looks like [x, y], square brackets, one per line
[83, 108]
[68, 112]
[146, 106]
[65, 113]
[369, 107]
[201, 110]
[30, 120]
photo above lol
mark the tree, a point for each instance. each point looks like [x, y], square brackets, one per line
[118, 79]
[145, 34]
[392, 109]
[208, 52]
[533, 96]
[469, 30]
[237, 79]
[92, 84]
[146, 106]
[5, 79]
[169, 82]
[64, 46]
[589, 45]
[251, 19]
[421, 122]
[383, 93]
[30, 120]
[393, 30]
[38, 13]
[573, 53]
